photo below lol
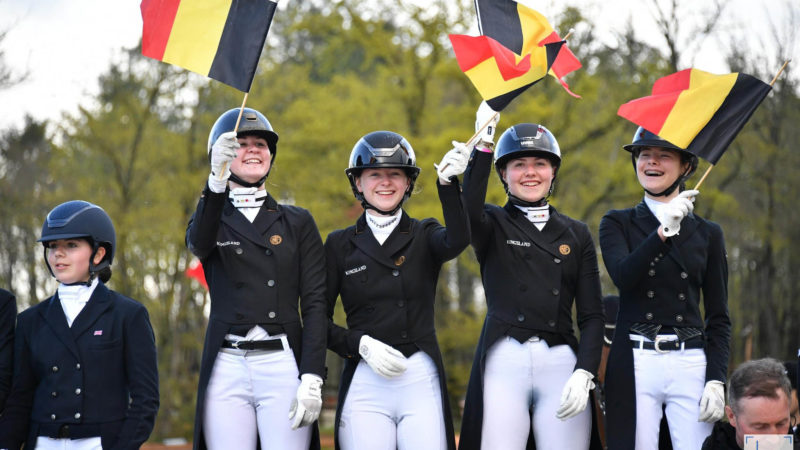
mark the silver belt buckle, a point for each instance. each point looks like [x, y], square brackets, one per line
[659, 340]
[235, 344]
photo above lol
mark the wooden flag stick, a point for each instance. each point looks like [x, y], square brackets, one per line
[470, 142]
[235, 129]
[569, 33]
[780, 71]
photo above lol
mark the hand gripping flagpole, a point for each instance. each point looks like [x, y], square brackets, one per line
[235, 129]
[472, 141]
[780, 71]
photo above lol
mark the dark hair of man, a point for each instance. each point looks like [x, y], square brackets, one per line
[757, 378]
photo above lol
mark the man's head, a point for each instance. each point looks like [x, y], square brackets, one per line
[758, 397]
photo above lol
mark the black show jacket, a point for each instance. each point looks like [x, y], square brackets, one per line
[8, 317]
[660, 282]
[531, 279]
[388, 290]
[256, 273]
[98, 376]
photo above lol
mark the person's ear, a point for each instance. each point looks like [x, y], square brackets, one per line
[99, 255]
[730, 415]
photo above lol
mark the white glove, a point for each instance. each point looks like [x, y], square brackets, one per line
[575, 395]
[385, 360]
[223, 151]
[484, 114]
[712, 403]
[454, 163]
[308, 403]
[673, 212]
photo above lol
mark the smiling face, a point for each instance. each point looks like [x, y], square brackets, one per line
[529, 178]
[383, 188]
[657, 168]
[69, 259]
[253, 159]
[760, 415]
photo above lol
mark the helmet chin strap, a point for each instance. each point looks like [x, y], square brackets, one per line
[366, 205]
[520, 202]
[668, 191]
[235, 178]
[92, 273]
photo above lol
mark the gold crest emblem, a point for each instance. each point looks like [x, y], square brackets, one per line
[400, 260]
[275, 239]
[564, 249]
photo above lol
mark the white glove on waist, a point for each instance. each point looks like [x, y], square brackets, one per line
[454, 163]
[384, 360]
[223, 151]
[486, 114]
[575, 395]
[308, 403]
[712, 403]
[673, 212]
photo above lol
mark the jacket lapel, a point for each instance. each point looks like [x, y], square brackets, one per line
[55, 318]
[267, 215]
[544, 239]
[365, 241]
[400, 237]
[253, 232]
[98, 303]
[646, 221]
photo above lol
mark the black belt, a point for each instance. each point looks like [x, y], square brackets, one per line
[69, 431]
[664, 345]
[272, 344]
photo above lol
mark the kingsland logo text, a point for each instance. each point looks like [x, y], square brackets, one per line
[518, 243]
[356, 270]
[227, 243]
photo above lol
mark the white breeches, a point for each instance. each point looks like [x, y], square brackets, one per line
[248, 397]
[675, 379]
[521, 378]
[403, 413]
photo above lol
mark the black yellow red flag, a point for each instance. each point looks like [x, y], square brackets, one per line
[221, 39]
[499, 74]
[699, 111]
[521, 29]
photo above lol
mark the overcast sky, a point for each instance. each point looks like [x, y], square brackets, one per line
[66, 44]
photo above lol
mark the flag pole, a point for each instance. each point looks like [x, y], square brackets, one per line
[780, 71]
[235, 129]
[469, 142]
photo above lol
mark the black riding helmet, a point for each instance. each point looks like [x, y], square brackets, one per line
[644, 138]
[382, 150]
[526, 139]
[252, 123]
[80, 219]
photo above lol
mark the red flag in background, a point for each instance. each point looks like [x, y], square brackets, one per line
[221, 39]
[195, 270]
[699, 111]
[521, 30]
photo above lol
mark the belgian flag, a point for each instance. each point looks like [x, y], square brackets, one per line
[499, 74]
[522, 30]
[221, 39]
[699, 111]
